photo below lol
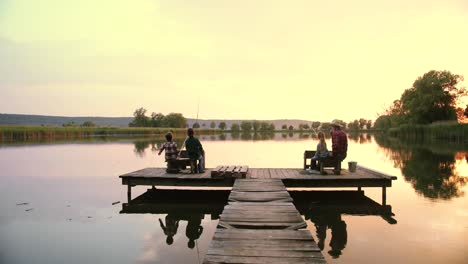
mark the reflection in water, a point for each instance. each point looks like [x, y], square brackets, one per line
[170, 228]
[431, 171]
[361, 138]
[179, 205]
[339, 235]
[324, 209]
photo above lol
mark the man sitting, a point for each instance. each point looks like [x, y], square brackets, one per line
[195, 152]
[339, 145]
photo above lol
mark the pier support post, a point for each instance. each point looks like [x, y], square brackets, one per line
[359, 188]
[129, 193]
[384, 195]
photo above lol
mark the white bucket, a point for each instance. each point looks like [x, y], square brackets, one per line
[352, 165]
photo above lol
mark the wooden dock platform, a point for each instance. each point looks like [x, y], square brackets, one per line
[291, 177]
[260, 225]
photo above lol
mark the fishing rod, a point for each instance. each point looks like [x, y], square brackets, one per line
[196, 121]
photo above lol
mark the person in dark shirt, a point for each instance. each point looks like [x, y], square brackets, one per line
[339, 145]
[195, 152]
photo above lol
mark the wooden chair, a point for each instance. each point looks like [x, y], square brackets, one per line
[181, 163]
[324, 163]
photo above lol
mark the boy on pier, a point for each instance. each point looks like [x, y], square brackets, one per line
[195, 152]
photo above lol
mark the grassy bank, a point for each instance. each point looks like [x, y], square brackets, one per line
[449, 131]
[23, 133]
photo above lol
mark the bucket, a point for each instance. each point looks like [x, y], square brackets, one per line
[352, 166]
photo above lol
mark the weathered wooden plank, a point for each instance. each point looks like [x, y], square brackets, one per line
[263, 234]
[280, 245]
[255, 224]
[261, 253]
[209, 259]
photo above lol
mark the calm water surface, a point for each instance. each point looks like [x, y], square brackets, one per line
[57, 202]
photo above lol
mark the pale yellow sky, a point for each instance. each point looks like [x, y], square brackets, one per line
[315, 60]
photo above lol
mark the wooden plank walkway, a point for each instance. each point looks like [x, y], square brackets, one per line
[260, 226]
[363, 177]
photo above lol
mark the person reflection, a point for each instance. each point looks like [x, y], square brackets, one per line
[194, 229]
[339, 235]
[170, 229]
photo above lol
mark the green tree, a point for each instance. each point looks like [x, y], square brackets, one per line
[305, 126]
[325, 126]
[264, 126]
[256, 125]
[433, 97]
[222, 125]
[175, 120]
[235, 128]
[70, 124]
[157, 120]
[369, 124]
[246, 126]
[88, 124]
[316, 124]
[272, 127]
[354, 125]
[196, 125]
[140, 119]
[383, 122]
[212, 124]
[362, 123]
[284, 127]
[291, 128]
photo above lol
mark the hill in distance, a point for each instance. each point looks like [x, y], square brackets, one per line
[43, 120]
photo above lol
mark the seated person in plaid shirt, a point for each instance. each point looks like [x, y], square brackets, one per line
[171, 153]
[339, 145]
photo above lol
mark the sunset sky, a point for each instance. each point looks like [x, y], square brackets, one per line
[314, 60]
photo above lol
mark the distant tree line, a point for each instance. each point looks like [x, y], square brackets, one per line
[253, 126]
[174, 120]
[84, 124]
[358, 124]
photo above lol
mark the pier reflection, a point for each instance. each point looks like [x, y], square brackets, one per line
[325, 209]
[179, 205]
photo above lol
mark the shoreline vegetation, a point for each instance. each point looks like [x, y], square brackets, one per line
[443, 131]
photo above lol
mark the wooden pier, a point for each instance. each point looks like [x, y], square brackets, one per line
[260, 225]
[363, 177]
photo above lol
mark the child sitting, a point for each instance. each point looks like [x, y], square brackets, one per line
[171, 153]
[321, 153]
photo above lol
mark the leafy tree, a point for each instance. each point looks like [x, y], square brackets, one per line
[316, 124]
[212, 124]
[369, 124]
[305, 126]
[176, 120]
[284, 127]
[264, 126]
[272, 127]
[88, 124]
[235, 128]
[70, 124]
[326, 126]
[256, 125]
[222, 125]
[246, 126]
[354, 125]
[140, 119]
[383, 122]
[157, 120]
[291, 128]
[362, 123]
[196, 125]
[433, 97]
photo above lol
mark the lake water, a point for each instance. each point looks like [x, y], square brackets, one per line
[70, 188]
